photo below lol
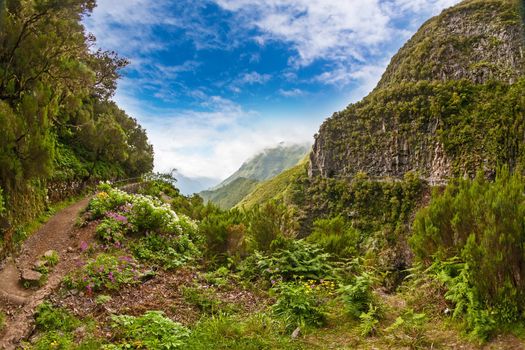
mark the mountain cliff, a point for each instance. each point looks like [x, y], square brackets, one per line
[449, 104]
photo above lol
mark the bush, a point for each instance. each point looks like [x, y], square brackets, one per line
[335, 236]
[369, 321]
[409, 330]
[481, 223]
[150, 215]
[269, 222]
[358, 297]
[111, 229]
[299, 305]
[292, 261]
[50, 318]
[151, 331]
[105, 272]
[168, 252]
[108, 199]
[224, 234]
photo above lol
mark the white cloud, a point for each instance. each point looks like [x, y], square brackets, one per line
[337, 31]
[254, 78]
[215, 143]
[291, 92]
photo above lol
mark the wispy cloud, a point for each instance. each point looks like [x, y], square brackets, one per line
[291, 92]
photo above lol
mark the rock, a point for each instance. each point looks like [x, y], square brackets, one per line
[70, 249]
[296, 333]
[50, 253]
[394, 130]
[39, 264]
[31, 278]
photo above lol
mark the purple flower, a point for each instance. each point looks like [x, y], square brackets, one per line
[111, 278]
[83, 246]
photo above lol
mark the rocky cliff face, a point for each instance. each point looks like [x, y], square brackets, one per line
[444, 105]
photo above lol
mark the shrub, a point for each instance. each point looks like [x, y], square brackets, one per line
[222, 233]
[152, 331]
[203, 298]
[369, 321]
[358, 297]
[299, 304]
[268, 222]
[50, 318]
[150, 215]
[293, 260]
[107, 200]
[409, 330]
[481, 223]
[105, 272]
[168, 252]
[111, 230]
[335, 236]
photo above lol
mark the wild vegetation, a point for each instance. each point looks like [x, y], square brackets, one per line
[322, 256]
[60, 132]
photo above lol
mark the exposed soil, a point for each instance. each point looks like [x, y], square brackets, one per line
[59, 234]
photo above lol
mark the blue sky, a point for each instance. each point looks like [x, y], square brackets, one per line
[216, 81]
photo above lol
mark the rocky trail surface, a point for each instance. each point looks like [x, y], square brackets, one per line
[59, 234]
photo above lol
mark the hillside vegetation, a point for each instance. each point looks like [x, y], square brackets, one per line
[229, 195]
[405, 230]
[264, 166]
[59, 131]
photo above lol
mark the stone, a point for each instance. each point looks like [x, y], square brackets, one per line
[39, 264]
[49, 253]
[31, 278]
[296, 333]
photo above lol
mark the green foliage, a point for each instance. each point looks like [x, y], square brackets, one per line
[369, 321]
[50, 318]
[223, 332]
[152, 331]
[168, 252]
[109, 199]
[203, 299]
[268, 222]
[224, 233]
[2, 202]
[105, 272]
[2, 320]
[52, 258]
[358, 297]
[276, 188]
[299, 305]
[59, 129]
[409, 330]
[481, 223]
[336, 236]
[111, 230]
[292, 260]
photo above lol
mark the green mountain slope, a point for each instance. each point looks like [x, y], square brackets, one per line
[229, 195]
[269, 163]
[274, 188]
[263, 166]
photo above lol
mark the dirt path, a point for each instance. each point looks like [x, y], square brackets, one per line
[59, 234]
